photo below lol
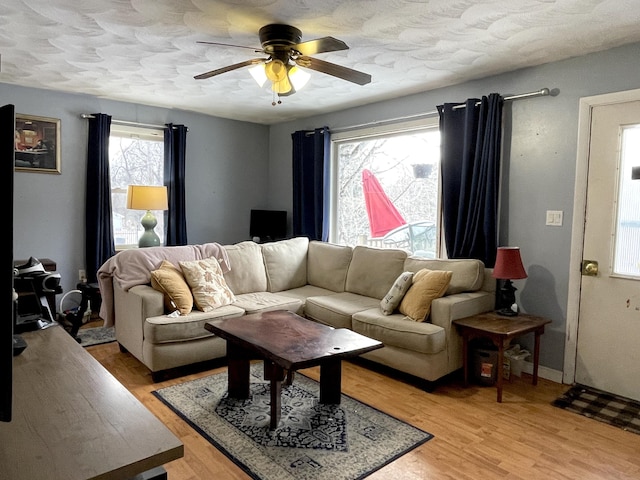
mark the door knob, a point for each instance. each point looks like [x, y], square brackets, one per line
[590, 268]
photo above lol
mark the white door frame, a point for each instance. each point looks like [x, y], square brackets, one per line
[577, 229]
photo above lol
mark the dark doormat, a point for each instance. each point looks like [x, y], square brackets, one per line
[605, 407]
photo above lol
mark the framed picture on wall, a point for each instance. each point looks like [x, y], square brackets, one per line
[37, 144]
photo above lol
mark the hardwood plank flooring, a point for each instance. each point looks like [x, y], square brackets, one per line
[523, 438]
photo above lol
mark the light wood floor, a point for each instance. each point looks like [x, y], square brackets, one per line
[475, 437]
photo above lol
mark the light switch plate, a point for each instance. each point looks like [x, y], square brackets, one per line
[554, 218]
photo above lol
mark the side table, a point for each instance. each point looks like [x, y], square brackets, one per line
[500, 330]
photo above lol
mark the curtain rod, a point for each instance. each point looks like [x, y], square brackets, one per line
[543, 92]
[132, 124]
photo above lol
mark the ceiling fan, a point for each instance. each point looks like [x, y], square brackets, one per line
[281, 44]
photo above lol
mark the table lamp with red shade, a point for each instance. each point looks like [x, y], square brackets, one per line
[508, 267]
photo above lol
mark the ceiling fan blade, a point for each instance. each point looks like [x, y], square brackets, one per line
[320, 45]
[229, 68]
[344, 73]
[255, 49]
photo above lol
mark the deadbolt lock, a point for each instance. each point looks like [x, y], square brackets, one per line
[590, 268]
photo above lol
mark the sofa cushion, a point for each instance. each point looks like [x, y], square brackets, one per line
[207, 283]
[336, 310]
[266, 301]
[399, 331]
[327, 265]
[169, 329]
[372, 271]
[247, 272]
[285, 263]
[427, 285]
[169, 280]
[307, 291]
[467, 274]
[396, 293]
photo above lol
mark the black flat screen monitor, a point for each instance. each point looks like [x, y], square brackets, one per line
[268, 225]
[7, 145]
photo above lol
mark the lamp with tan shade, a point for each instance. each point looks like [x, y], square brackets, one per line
[147, 197]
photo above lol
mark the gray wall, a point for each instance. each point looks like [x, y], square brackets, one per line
[225, 172]
[538, 171]
[225, 167]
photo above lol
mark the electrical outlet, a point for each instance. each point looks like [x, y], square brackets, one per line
[82, 275]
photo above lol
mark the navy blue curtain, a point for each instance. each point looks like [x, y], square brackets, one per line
[175, 147]
[99, 246]
[311, 151]
[470, 139]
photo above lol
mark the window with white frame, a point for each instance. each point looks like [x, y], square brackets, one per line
[627, 228]
[136, 157]
[401, 164]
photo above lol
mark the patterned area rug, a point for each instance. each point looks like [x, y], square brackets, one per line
[96, 336]
[312, 442]
[602, 406]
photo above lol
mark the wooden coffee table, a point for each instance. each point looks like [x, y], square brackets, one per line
[287, 342]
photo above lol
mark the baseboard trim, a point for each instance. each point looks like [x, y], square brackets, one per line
[543, 372]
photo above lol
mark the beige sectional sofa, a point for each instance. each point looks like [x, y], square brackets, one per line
[340, 286]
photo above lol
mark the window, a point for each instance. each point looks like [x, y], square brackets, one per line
[136, 157]
[627, 236]
[397, 168]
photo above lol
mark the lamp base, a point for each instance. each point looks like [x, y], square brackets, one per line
[149, 238]
[506, 299]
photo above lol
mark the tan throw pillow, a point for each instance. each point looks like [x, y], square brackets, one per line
[168, 279]
[396, 293]
[427, 285]
[207, 283]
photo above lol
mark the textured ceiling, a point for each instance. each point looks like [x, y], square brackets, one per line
[146, 51]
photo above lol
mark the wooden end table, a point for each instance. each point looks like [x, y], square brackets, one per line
[500, 330]
[286, 342]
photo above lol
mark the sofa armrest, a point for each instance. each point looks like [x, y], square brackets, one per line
[445, 310]
[132, 308]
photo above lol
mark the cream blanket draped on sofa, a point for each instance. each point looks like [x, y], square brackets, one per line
[140, 262]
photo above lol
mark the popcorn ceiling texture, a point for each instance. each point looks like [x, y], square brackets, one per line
[145, 51]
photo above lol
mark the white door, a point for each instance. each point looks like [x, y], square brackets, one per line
[608, 334]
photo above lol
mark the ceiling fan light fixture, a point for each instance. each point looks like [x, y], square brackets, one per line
[282, 87]
[258, 74]
[285, 79]
[298, 77]
[276, 70]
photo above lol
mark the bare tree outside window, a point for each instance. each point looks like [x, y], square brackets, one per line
[406, 165]
[134, 159]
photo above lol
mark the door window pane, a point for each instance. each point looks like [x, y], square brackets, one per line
[627, 241]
